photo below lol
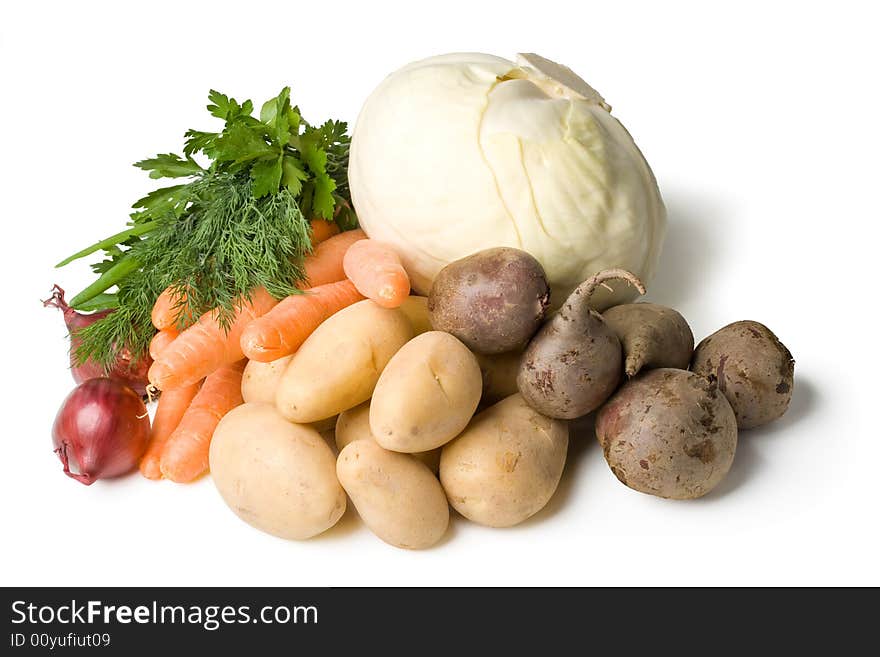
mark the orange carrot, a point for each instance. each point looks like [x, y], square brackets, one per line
[170, 409]
[185, 454]
[167, 305]
[376, 272]
[161, 340]
[205, 346]
[172, 406]
[283, 329]
[166, 309]
[322, 230]
[324, 264]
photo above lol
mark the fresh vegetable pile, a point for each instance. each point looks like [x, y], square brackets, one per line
[294, 364]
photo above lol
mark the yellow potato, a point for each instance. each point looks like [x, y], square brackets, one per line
[416, 311]
[278, 476]
[506, 465]
[260, 380]
[354, 424]
[338, 366]
[396, 495]
[426, 395]
[499, 375]
[259, 384]
[327, 429]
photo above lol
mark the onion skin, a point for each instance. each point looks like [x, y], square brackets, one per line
[131, 373]
[102, 429]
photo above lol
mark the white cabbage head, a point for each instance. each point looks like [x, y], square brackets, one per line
[463, 152]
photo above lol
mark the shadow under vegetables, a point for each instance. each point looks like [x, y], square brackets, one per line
[748, 461]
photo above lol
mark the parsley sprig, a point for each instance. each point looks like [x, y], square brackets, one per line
[238, 223]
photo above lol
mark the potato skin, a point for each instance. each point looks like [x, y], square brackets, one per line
[754, 370]
[416, 310]
[492, 300]
[260, 380]
[338, 366]
[506, 465]
[354, 424]
[426, 394]
[669, 433]
[651, 336]
[396, 495]
[499, 375]
[277, 476]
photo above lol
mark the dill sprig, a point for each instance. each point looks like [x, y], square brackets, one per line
[238, 224]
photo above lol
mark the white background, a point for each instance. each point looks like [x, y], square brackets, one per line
[760, 122]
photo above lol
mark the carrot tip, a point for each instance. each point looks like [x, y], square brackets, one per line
[149, 467]
[262, 346]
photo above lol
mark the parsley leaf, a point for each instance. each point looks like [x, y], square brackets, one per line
[169, 165]
[266, 176]
[198, 141]
[240, 143]
[293, 174]
[275, 114]
[322, 199]
[227, 108]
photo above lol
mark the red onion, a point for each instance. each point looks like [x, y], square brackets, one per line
[101, 430]
[133, 374]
